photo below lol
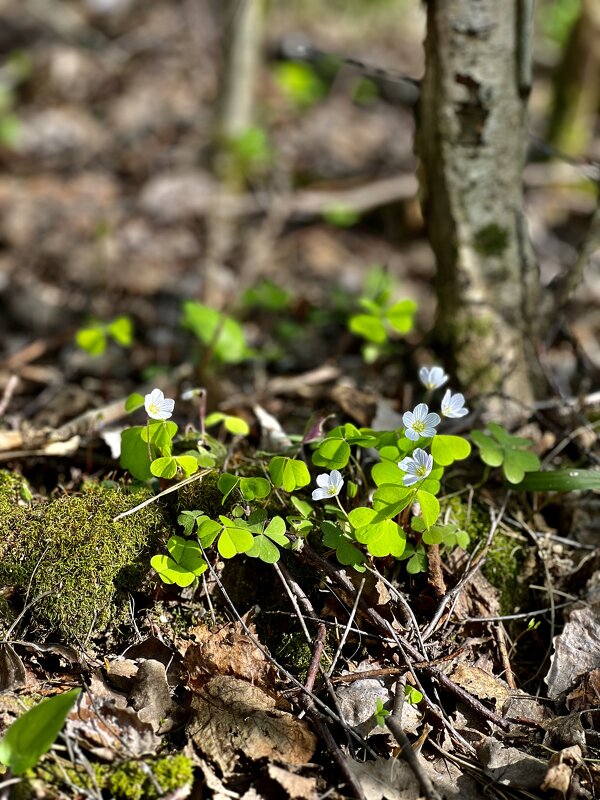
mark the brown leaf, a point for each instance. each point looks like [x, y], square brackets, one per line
[228, 651]
[231, 717]
[296, 786]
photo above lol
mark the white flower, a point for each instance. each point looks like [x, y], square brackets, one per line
[417, 468]
[420, 422]
[330, 485]
[432, 378]
[157, 405]
[453, 406]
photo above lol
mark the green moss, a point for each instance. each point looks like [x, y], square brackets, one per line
[491, 240]
[71, 549]
[505, 559]
[295, 653]
[203, 495]
[127, 781]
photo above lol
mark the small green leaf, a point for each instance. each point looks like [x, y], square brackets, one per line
[164, 467]
[35, 731]
[92, 340]
[134, 453]
[183, 564]
[417, 563]
[121, 330]
[133, 402]
[386, 472]
[401, 316]
[447, 449]
[369, 327]
[490, 451]
[227, 483]
[189, 464]
[333, 453]
[303, 508]
[430, 507]
[517, 463]
[208, 530]
[255, 488]
[234, 539]
[288, 474]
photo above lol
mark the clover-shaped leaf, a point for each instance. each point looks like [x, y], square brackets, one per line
[234, 538]
[502, 449]
[288, 473]
[447, 449]
[383, 537]
[183, 564]
[264, 547]
[345, 551]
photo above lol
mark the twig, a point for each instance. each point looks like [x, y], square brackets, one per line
[293, 601]
[412, 759]
[156, 497]
[501, 639]
[347, 629]
[317, 721]
[9, 390]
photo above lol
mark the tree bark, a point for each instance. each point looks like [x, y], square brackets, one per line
[471, 140]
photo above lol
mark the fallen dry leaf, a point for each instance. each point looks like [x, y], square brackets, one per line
[228, 651]
[232, 717]
[296, 786]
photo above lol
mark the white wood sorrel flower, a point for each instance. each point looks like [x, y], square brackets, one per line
[329, 485]
[453, 405]
[417, 468]
[432, 378]
[158, 406]
[420, 422]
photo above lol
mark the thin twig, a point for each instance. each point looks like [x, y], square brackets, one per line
[412, 759]
[347, 629]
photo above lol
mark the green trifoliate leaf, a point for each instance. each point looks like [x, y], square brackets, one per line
[35, 731]
[447, 449]
[235, 425]
[332, 453]
[382, 538]
[183, 564]
[288, 474]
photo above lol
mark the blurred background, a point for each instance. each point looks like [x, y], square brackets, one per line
[255, 158]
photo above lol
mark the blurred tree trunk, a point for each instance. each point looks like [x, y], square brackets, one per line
[241, 23]
[471, 140]
[577, 84]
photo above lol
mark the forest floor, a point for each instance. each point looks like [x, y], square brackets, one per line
[262, 680]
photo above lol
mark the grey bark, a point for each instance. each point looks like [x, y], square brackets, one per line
[471, 141]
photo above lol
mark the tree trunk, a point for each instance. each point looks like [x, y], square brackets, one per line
[471, 141]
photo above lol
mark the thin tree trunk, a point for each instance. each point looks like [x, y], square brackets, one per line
[471, 141]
